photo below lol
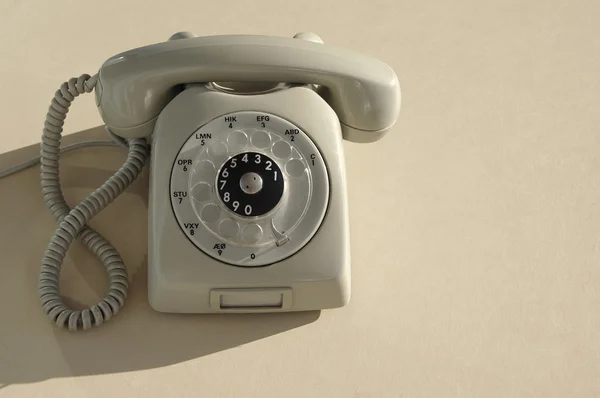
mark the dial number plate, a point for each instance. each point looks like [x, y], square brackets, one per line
[250, 184]
[249, 188]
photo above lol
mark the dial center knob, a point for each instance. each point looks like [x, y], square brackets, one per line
[251, 183]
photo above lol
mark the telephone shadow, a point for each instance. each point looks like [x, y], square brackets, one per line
[137, 338]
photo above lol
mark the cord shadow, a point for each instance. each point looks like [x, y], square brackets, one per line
[137, 338]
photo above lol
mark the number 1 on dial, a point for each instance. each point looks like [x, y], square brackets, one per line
[275, 176]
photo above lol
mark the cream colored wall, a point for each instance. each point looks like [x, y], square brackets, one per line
[475, 223]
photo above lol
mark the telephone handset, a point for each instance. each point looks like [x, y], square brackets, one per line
[134, 87]
[247, 196]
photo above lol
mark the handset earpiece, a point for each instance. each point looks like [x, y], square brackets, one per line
[133, 87]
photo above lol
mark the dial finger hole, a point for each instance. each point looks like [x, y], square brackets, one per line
[261, 139]
[210, 213]
[228, 228]
[281, 149]
[252, 233]
[217, 151]
[295, 168]
[237, 140]
[205, 170]
[201, 192]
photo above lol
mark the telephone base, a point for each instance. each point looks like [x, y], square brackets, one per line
[310, 271]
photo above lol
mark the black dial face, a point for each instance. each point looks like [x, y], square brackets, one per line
[250, 184]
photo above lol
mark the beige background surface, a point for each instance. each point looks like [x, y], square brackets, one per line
[475, 222]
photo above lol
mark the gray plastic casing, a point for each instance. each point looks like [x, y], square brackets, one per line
[182, 279]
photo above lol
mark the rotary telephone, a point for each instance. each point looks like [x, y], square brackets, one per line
[247, 195]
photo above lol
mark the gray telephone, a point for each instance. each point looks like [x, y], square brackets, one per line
[247, 204]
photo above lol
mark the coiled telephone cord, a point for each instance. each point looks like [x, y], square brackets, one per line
[73, 222]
